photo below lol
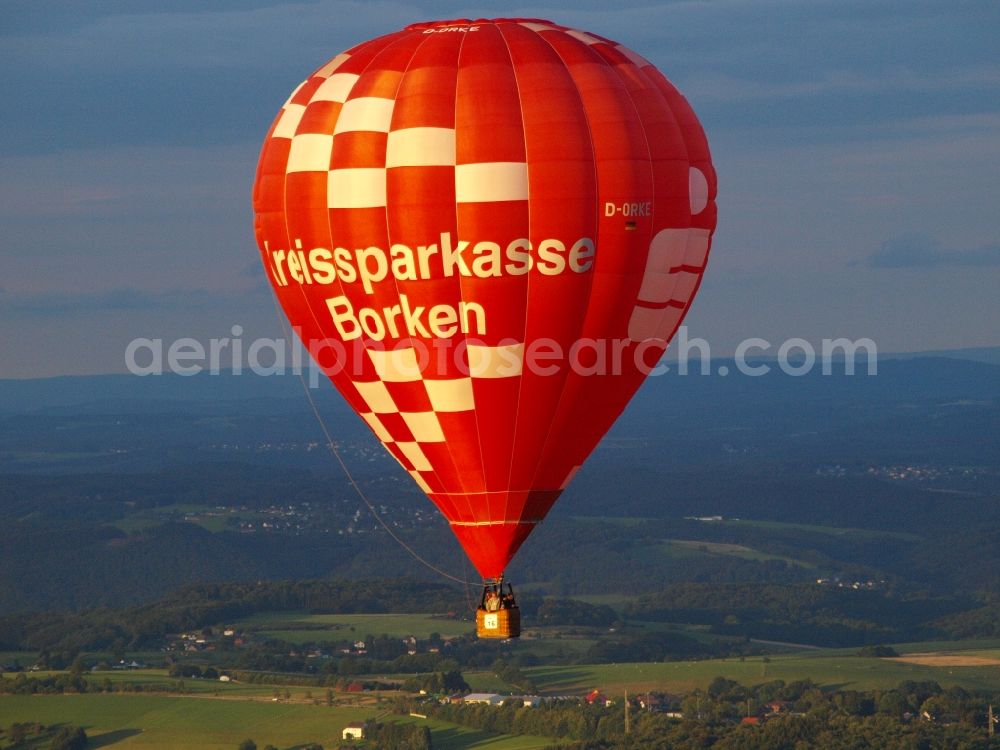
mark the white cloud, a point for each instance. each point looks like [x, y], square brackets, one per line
[715, 86]
[922, 251]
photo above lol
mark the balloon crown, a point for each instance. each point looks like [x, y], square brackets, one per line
[472, 22]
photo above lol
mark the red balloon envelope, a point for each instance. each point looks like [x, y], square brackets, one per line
[488, 231]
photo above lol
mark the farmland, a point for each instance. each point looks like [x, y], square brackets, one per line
[840, 668]
[213, 715]
[302, 627]
[689, 548]
[158, 722]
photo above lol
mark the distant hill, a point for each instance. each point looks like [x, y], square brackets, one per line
[926, 373]
[988, 354]
[146, 393]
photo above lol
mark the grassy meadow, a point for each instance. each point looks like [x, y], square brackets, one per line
[840, 668]
[303, 627]
[213, 715]
[678, 548]
[160, 722]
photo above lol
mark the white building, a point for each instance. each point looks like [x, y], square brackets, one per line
[354, 731]
[490, 699]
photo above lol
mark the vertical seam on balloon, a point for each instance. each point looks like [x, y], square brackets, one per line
[700, 275]
[305, 299]
[329, 231]
[527, 284]
[388, 237]
[459, 474]
[711, 201]
[255, 198]
[652, 168]
[465, 337]
[290, 244]
[461, 292]
[597, 236]
[387, 38]
[687, 156]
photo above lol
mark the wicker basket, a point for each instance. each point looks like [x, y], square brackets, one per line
[502, 623]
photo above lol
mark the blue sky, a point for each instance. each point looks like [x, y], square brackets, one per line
[857, 145]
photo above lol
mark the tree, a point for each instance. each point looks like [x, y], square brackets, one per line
[720, 687]
[18, 732]
[892, 703]
[247, 745]
[453, 680]
[77, 667]
[70, 738]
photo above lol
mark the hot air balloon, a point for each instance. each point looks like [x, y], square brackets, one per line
[488, 231]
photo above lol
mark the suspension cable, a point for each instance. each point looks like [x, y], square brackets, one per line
[347, 472]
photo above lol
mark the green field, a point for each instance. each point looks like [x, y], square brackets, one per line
[158, 679]
[841, 669]
[976, 647]
[216, 716]
[615, 601]
[832, 530]
[447, 736]
[628, 521]
[989, 653]
[211, 519]
[156, 722]
[24, 658]
[693, 548]
[302, 627]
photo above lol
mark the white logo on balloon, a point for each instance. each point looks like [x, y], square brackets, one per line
[673, 266]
